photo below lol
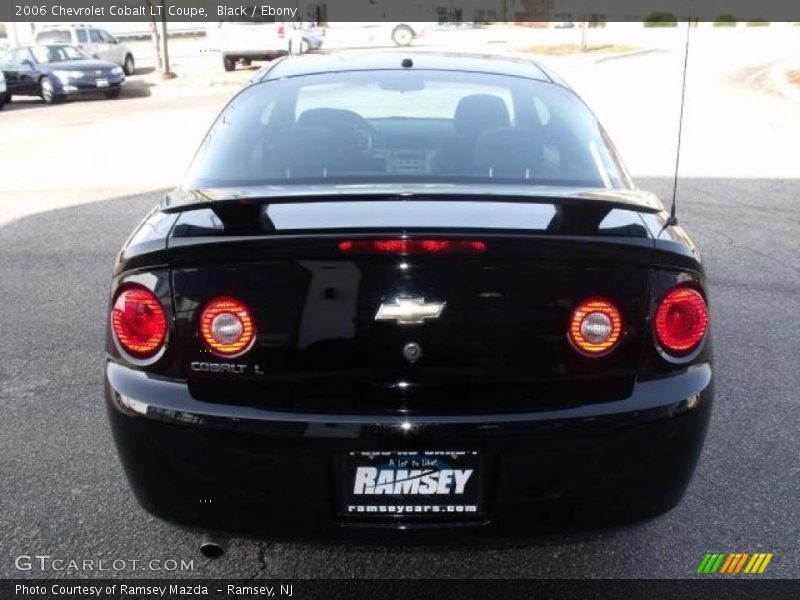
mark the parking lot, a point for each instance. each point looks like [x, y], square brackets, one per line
[77, 177]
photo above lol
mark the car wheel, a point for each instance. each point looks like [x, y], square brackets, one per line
[402, 35]
[8, 98]
[229, 62]
[111, 94]
[130, 66]
[2, 102]
[47, 91]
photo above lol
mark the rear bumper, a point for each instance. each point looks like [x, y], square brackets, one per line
[253, 472]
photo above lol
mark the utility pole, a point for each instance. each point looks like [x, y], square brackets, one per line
[165, 73]
[584, 45]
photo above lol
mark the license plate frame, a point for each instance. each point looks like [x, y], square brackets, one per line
[102, 83]
[420, 485]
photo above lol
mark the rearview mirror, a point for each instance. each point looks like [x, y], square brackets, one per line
[403, 83]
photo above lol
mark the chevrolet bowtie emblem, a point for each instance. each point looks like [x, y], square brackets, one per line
[409, 311]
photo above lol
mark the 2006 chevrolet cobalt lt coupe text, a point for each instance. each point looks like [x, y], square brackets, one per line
[400, 293]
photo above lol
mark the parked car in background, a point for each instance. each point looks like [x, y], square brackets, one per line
[563, 21]
[404, 33]
[305, 39]
[93, 41]
[378, 33]
[2, 90]
[241, 42]
[56, 71]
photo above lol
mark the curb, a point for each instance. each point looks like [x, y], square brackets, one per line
[625, 54]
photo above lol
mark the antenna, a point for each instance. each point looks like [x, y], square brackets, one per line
[673, 219]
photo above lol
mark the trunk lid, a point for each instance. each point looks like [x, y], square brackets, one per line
[499, 343]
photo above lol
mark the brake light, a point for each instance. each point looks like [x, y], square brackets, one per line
[413, 246]
[138, 322]
[595, 327]
[227, 327]
[681, 320]
[281, 31]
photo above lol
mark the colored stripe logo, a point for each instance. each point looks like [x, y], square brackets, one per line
[733, 563]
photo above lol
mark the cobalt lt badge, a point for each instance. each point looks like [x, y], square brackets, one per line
[412, 352]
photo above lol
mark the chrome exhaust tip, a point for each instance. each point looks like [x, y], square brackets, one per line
[213, 547]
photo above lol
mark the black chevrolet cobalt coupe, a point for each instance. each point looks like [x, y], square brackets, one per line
[400, 294]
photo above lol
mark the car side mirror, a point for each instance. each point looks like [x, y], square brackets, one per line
[27, 62]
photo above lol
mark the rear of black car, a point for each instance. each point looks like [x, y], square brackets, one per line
[313, 358]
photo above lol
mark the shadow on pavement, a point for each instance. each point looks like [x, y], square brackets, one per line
[20, 103]
[136, 88]
[131, 89]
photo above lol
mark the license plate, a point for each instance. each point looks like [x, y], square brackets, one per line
[430, 484]
[102, 83]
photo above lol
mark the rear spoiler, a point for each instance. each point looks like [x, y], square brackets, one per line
[243, 199]
[243, 212]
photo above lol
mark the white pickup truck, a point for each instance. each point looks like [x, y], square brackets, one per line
[246, 41]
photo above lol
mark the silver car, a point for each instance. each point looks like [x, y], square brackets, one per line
[92, 41]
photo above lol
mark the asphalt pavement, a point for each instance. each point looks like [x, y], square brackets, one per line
[64, 494]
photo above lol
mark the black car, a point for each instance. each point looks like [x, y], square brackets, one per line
[57, 71]
[400, 294]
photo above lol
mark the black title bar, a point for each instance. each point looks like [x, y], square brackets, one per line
[210, 11]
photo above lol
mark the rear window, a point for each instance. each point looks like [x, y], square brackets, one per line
[405, 126]
[54, 36]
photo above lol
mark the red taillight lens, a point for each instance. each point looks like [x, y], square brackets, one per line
[227, 327]
[281, 31]
[413, 246]
[139, 322]
[595, 327]
[681, 320]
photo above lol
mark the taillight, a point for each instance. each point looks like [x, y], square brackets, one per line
[227, 327]
[413, 246]
[281, 31]
[681, 320]
[139, 322]
[595, 327]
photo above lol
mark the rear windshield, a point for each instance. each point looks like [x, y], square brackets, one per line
[55, 36]
[405, 126]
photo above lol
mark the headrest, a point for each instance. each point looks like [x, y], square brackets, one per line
[478, 112]
[507, 152]
[307, 152]
[330, 118]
